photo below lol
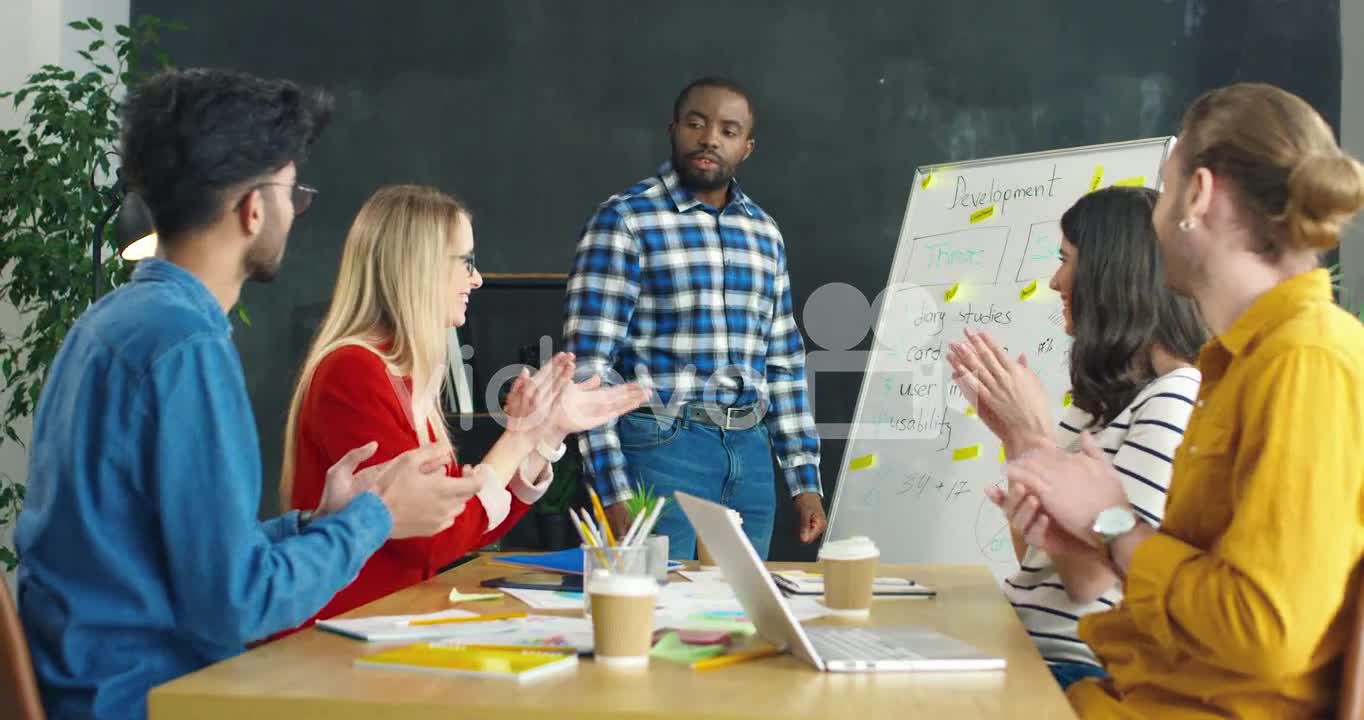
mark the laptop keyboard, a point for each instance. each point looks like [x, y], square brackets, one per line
[845, 643]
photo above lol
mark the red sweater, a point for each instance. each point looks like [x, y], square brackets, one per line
[351, 401]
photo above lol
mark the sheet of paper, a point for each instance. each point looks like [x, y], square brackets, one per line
[690, 593]
[712, 605]
[547, 599]
[384, 628]
[573, 632]
[702, 575]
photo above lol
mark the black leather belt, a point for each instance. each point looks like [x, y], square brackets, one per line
[725, 418]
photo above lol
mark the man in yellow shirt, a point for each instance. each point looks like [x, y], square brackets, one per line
[1241, 604]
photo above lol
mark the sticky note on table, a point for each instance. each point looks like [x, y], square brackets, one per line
[951, 292]
[1097, 179]
[1028, 291]
[929, 181]
[458, 597]
[866, 462]
[982, 214]
[1138, 181]
[969, 412]
[1066, 399]
[671, 647]
[970, 452]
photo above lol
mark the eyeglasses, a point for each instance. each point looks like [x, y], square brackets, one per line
[302, 195]
[468, 259]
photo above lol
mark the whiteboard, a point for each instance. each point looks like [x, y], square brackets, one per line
[978, 245]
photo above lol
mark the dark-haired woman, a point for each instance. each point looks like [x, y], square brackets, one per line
[1133, 386]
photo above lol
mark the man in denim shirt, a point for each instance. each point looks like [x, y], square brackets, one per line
[142, 558]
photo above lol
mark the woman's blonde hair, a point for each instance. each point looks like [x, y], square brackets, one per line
[389, 300]
[1295, 184]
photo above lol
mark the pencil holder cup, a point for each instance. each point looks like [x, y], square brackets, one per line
[656, 547]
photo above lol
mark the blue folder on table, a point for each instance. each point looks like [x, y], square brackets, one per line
[568, 562]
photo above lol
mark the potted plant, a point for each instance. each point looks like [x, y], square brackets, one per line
[642, 501]
[55, 171]
[641, 504]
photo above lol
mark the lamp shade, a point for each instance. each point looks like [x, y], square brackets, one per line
[135, 234]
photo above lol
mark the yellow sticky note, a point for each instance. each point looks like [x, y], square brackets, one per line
[951, 292]
[1066, 399]
[458, 597]
[1028, 291]
[970, 452]
[929, 181]
[1138, 181]
[970, 411]
[1001, 454]
[866, 462]
[1097, 179]
[982, 214]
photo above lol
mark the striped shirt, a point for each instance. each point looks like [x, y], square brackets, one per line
[1141, 441]
[694, 303]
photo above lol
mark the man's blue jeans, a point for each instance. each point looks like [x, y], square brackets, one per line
[730, 467]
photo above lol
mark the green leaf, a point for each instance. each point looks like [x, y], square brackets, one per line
[79, 25]
[8, 558]
[95, 23]
[123, 30]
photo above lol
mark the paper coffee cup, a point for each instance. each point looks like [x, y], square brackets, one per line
[622, 618]
[849, 569]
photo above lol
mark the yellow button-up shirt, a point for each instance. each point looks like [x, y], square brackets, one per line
[1242, 604]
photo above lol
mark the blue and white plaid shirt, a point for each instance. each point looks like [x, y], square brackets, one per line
[662, 283]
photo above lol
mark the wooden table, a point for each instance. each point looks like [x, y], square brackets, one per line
[309, 674]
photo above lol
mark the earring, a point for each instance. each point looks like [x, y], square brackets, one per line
[1187, 224]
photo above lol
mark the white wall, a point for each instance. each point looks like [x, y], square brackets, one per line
[33, 33]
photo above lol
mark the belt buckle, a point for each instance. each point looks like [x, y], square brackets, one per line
[730, 413]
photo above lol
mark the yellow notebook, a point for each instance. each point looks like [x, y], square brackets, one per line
[521, 665]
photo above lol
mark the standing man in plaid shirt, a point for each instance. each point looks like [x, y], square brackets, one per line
[680, 283]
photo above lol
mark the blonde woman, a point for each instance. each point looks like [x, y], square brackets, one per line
[375, 372]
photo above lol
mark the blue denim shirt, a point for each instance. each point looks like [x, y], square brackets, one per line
[142, 558]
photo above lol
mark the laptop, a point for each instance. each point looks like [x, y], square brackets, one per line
[828, 649]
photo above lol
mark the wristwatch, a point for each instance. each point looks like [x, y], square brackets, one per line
[551, 455]
[1113, 523]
